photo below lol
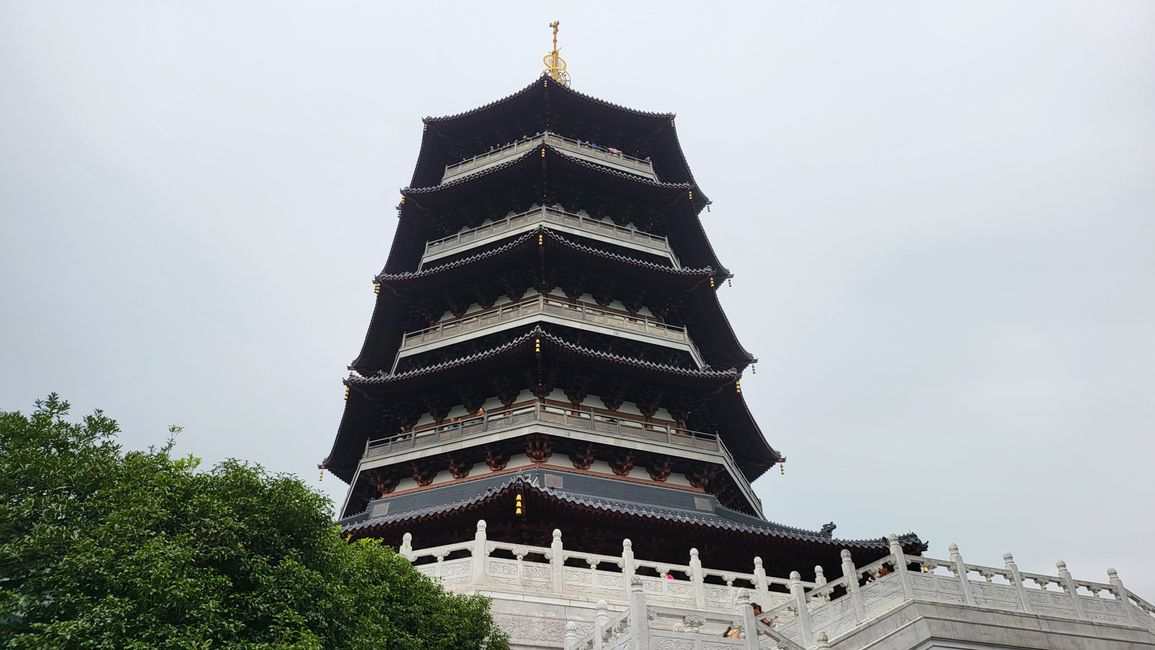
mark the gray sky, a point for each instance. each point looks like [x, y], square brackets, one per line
[941, 217]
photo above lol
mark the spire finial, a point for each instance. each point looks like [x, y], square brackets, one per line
[554, 64]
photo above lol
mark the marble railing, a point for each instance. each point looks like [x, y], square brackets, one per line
[651, 601]
[865, 593]
[484, 564]
[642, 625]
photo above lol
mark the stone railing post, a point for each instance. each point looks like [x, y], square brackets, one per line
[749, 625]
[853, 591]
[406, 549]
[761, 586]
[571, 635]
[480, 554]
[1070, 588]
[900, 567]
[639, 616]
[601, 618]
[557, 562]
[697, 582]
[822, 642]
[1017, 581]
[960, 571]
[805, 635]
[1123, 596]
[628, 567]
[820, 581]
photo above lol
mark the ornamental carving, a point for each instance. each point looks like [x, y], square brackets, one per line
[424, 473]
[583, 458]
[613, 401]
[622, 464]
[531, 630]
[702, 476]
[459, 468]
[537, 448]
[496, 458]
[660, 469]
[385, 483]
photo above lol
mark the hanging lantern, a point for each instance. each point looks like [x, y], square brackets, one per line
[377, 288]
[346, 393]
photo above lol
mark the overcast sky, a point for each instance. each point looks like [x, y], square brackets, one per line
[941, 217]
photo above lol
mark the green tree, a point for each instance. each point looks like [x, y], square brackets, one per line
[101, 548]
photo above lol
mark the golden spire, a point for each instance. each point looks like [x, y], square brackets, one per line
[554, 64]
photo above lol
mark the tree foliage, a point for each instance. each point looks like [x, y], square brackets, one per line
[101, 548]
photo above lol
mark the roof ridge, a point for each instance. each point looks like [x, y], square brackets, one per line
[479, 109]
[549, 85]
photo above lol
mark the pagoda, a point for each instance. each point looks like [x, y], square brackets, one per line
[547, 349]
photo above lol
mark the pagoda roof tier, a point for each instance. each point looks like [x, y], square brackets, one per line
[547, 176]
[550, 246]
[525, 348]
[543, 259]
[720, 534]
[545, 105]
[543, 360]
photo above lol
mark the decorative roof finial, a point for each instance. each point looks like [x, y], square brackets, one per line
[554, 64]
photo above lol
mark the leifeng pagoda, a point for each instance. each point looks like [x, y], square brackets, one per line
[548, 410]
[547, 349]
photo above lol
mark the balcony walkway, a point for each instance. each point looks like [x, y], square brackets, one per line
[560, 415]
[574, 148]
[557, 219]
[547, 412]
[549, 309]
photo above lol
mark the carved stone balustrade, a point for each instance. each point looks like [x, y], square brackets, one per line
[639, 610]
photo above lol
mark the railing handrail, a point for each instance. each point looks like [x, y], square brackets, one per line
[633, 233]
[542, 299]
[443, 550]
[641, 162]
[544, 136]
[799, 616]
[538, 406]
